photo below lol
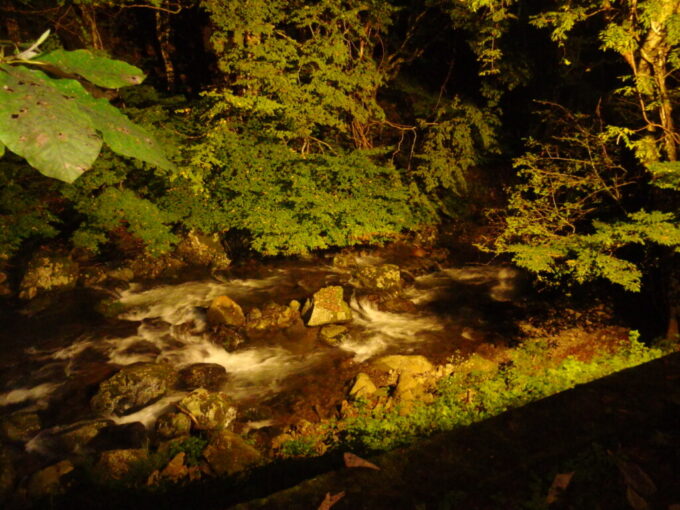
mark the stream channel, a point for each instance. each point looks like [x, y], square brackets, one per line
[52, 368]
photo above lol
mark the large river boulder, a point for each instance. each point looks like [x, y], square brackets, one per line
[132, 388]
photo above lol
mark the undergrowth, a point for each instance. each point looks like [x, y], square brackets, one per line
[472, 395]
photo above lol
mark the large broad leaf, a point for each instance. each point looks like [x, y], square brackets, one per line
[46, 127]
[101, 71]
[120, 134]
[2, 149]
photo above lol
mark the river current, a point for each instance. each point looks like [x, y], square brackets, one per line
[452, 310]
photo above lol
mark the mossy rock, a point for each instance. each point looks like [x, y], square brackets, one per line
[208, 410]
[173, 424]
[414, 364]
[20, 426]
[48, 272]
[133, 388]
[227, 453]
[210, 376]
[327, 307]
[224, 311]
[385, 277]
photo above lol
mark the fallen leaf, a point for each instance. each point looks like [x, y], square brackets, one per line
[636, 478]
[559, 485]
[330, 500]
[354, 461]
[636, 501]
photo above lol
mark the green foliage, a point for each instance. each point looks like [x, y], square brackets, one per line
[570, 216]
[454, 143]
[304, 72]
[192, 447]
[292, 204]
[55, 124]
[560, 218]
[25, 207]
[299, 447]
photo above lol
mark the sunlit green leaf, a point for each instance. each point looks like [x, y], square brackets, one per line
[44, 126]
[101, 71]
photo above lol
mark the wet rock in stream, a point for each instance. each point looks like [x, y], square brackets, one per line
[173, 424]
[134, 387]
[382, 277]
[227, 453]
[208, 410]
[224, 311]
[273, 316]
[20, 426]
[327, 307]
[210, 376]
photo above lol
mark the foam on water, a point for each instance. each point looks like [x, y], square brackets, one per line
[20, 395]
[382, 330]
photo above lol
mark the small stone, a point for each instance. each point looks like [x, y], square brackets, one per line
[225, 311]
[175, 469]
[173, 424]
[48, 481]
[362, 388]
[227, 453]
[415, 364]
[328, 307]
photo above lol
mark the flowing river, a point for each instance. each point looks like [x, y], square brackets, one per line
[270, 377]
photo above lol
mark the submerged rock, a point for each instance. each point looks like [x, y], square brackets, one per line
[208, 410]
[210, 376]
[227, 453]
[224, 311]
[384, 277]
[327, 307]
[46, 272]
[132, 388]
